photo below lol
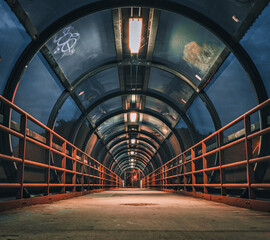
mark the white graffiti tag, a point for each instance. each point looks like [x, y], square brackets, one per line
[66, 43]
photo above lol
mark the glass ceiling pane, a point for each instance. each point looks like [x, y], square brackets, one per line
[118, 145]
[84, 44]
[110, 123]
[170, 86]
[164, 109]
[228, 14]
[190, 48]
[157, 124]
[44, 13]
[152, 131]
[184, 133]
[150, 139]
[98, 86]
[105, 108]
[13, 40]
[112, 131]
[256, 42]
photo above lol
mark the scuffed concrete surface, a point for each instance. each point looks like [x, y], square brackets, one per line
[134, 214]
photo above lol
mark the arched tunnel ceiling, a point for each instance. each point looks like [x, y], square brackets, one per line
[135, 105]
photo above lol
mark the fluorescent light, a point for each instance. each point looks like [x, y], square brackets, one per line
[133, 98]
[133, 141]
[135, 34]
[132, 152]
[198, 77]
[133, 117]
[132, 160]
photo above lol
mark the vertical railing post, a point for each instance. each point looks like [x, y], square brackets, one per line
[74, 169]
[185, 171]
[63, 165]
[205, 177]
[248, 148]
[192, 152]
[221, 158]
[82, 171]
[22, 150]
[48, 161]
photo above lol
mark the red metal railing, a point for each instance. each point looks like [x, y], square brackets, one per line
[86, 172]
[184, 173]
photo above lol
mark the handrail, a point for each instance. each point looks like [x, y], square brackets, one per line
[90, 170]
[176, 172]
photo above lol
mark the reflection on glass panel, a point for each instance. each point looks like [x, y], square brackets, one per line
[113, 131]
[149, 139]
[164, 109]
[105, 108]
[38, 91]
[152, 131]
[98, 86]
[82, 134]
[175, 144]
[200, 118]
[13, 40]
[91, 143]
[171, 86]
[228, 14]
[230, 91]
[84, 44]
[110, 122]
[67, 117]
[157, 124]
[190, 48]
[120, 144]
[256, 42]
[184, 133]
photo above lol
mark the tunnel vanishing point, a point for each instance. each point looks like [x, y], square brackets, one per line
[134, 113]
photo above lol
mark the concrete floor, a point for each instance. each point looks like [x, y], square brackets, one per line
[134, 214]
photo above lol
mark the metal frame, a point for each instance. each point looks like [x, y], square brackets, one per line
[176, 173]
[87, 172]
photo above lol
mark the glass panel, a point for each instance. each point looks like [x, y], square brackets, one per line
[110, 122]
[164, 109]
[230, 91]
[175, 144]
[152, 131]
[157, 124]
[118, 145]
[184, 133]
[113, 131]
[84, 44]
[171, 86]
[150, 139]
[190, 48]
[38, 91]
[91, 143]
[147, 146]
[105, 108]
[116, 138]
[13, 40]
[67, 117]
[201, 119]
[44, 13]
[82, 134]
[98, 86]
[256, 42]
[228, 14]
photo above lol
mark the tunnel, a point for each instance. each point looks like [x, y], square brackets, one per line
[135, 119]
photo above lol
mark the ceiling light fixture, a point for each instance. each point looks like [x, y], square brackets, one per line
[135, 34]
[133, 117]
[132, 152]
[133, 141]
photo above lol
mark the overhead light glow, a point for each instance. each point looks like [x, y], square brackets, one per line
[135, 34]
[198, 77]
[132, 160]
[132, 152]
[133, 98]
[133, 141]
[133, 117]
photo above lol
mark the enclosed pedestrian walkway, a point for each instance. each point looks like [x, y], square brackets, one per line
[141, 102]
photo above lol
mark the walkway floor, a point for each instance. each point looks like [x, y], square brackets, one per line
[134, 214]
